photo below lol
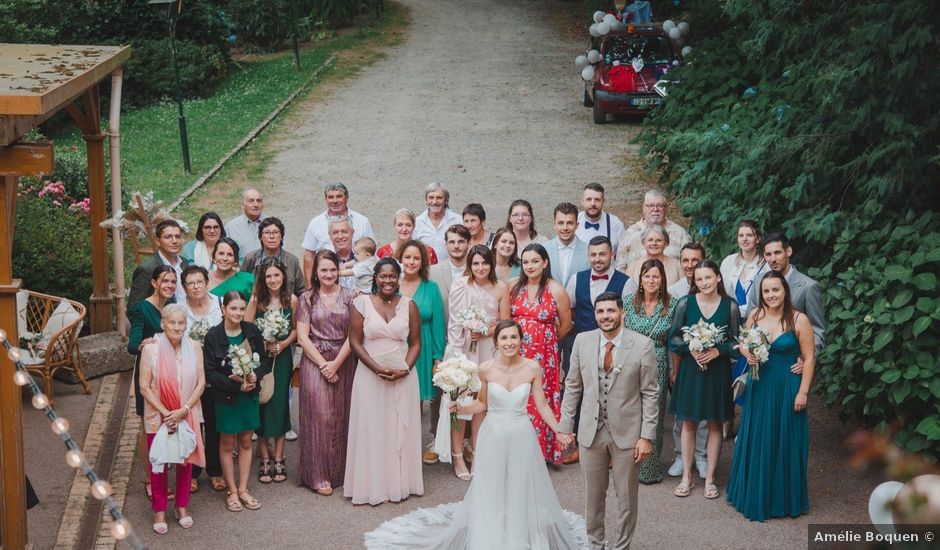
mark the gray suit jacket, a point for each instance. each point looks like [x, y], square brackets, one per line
[442, 275]
[579, 261]
[632, 408]
[806, 297]
[140, 282]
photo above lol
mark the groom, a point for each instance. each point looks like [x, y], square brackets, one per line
[613, 373]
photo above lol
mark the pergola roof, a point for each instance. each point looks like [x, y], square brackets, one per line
[38, 80]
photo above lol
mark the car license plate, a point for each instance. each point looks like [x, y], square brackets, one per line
[641, 101]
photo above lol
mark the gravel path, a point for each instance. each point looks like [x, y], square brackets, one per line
[483, 96]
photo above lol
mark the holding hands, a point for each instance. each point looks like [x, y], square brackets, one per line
[565, 439]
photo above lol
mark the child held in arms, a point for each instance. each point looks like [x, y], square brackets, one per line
[362, 267]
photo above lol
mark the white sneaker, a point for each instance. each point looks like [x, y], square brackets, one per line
[702, 467]
[676, 469]
[254, 437]
[291, 435]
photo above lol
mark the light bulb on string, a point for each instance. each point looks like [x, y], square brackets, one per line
[20, 378]
[13, 354]
[3, 335]
[60, 426]
[100, 489]
[74, 458]
[120, 529]
[40, 401]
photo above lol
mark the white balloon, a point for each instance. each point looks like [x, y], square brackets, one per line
[683, 27]
[603, 28]
[674, 33]
[580, 61]
[610, 19]
[593, 30]
[598, 16]
[686, 51]
[878, 505]
[587, 73]
[668, 25]
[593, 56]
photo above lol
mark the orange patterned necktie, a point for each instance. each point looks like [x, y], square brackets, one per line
[608, 355]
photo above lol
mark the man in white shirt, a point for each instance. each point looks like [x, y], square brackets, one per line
[431, 224]
[655, 210]
[444, 273]
[567, 254]
[593, 221]
[244, 229]
[601, 277]
[690, 256]
[342, 236]
[317, 236]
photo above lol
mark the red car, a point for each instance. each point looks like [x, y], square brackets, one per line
[632, 63]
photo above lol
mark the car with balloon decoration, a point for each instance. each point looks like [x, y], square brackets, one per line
[626, 68]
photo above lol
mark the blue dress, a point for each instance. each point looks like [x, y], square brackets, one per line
[768, 472]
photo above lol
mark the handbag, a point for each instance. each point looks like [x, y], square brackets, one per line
[393, 359]
[267, 388]
[739, 386]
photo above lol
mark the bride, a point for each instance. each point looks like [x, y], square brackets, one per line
[510, 503]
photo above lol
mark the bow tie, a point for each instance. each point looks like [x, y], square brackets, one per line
[589, 225]
[603, 277]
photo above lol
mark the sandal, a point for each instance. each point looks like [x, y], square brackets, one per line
[218, 484]
[160, 528]
[711, 490]
[683, 489]
[249, 501]
[232, 503]
[465, 476]
[264, 471]
[193, 486]
[185, 522]
[280, 471]
[324, 490]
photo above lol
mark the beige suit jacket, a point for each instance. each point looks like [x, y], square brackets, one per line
[442, 275]
[632, 407]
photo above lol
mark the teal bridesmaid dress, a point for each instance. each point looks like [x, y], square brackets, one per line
[769, 469]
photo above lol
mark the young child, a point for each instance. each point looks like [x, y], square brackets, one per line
[362, 268]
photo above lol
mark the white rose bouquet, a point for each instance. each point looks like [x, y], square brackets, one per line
[274, 325]
[243, 363]
[199, 330]
[475, 321]
[455, 376]
[757, 342]
[703, 336]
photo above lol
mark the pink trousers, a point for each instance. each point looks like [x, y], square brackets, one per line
[158, 483]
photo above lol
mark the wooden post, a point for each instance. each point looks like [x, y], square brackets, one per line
[13, 480]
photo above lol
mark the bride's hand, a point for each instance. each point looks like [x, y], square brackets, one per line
[454, 407]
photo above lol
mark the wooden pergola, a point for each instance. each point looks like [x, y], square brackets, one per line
[36, 82]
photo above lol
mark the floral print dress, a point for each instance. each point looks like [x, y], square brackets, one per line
[538, 320]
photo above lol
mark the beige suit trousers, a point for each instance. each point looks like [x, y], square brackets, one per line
[595, 466]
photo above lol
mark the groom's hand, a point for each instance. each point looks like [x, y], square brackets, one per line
[642, 450]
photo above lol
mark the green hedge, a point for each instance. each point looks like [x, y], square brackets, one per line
[820, 118]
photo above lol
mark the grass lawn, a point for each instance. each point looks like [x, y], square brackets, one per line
[150, 146]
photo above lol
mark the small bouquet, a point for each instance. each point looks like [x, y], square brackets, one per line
[199, 329]
[702, 336]
[243, 363]
[32, 340]
[455, 376]
[474, 320]
[273, 325]
[757, 342]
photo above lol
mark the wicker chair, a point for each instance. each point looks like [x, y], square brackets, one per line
[61, 352]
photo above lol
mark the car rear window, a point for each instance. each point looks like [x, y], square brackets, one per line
[654, 50]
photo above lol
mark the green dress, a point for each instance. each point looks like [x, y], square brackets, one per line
[657, 328]
[427, 298]
[242, 281]
[242, 414]
[145, 323]
[704, 395]
[275, 414]
[514, 272]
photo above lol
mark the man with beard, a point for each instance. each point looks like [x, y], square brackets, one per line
[655, 210]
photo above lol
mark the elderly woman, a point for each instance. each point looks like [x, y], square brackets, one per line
[235, 397]
[271, 234]
[655, 239]
[208, 232]
[171, 382]
[225, 276]
[404, 231]
[521, 220]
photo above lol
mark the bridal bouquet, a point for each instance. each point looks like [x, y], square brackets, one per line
[243, 363]
[455, 376]
[757, 342]
[702, 336]
[473, 320]
[199, 329]
[273, 325]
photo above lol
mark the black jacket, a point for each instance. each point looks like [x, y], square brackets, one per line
[218, 368]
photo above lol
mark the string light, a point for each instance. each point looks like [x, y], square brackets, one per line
[100, 489]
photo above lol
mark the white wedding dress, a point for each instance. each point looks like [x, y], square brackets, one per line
[510, 505]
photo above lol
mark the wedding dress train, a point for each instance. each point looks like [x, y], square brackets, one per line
[510, 504]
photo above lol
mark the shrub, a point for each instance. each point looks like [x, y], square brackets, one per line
[52, 248]
[827, 130]
[149, 77]
[263, 25]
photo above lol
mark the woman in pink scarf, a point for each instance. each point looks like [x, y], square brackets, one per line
[171, 381]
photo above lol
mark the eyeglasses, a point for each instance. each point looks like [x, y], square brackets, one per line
[195, 284]
[211, 227]
[655, 206]
[519, 215]
[270, 233]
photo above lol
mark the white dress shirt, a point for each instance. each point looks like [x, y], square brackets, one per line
[598, 286]
[458, 271]
[679, 288]
[317, 236]
[434, 236]
[586, 234]
[565, 255]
